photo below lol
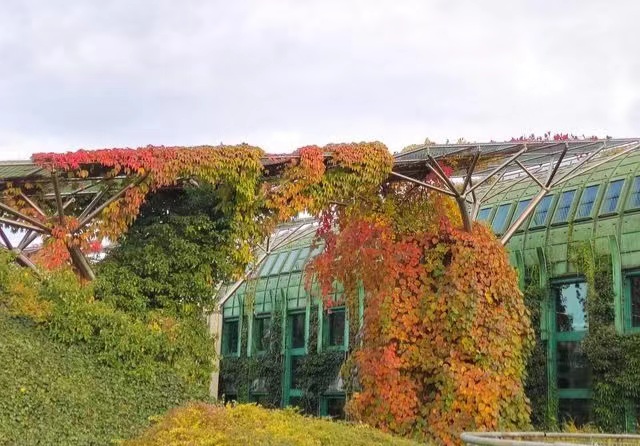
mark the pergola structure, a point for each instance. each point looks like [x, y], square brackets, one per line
[36, 200]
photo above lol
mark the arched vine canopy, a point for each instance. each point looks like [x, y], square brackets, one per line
[445, 332]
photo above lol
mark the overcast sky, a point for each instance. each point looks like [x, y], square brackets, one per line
[282, 74]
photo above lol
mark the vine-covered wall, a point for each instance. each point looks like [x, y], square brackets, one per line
[613, 356]
[317, 369]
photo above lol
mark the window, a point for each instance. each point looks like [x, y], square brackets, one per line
[500, 220]
[632, 301]
[296, 364]
[522, 205]
[542, 211]
[634, 196]
[230, 337]
[335, 328]
[261, 325]
[574, 371]
[333, 406]
[611, 196]
[570, 301]
[564, 207]
[297, 328]
[574, 409]
[587, 200]
[484, 214]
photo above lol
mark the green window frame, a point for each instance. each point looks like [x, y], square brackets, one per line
[572, 387]
[564, 206]
[501, 218]
[542, 212]
[335, 330]
[484, 214]
[632, 302]
[333, 406]
[611, 199]
[261, 328]
[231, 337]
[587, 202]
[633, 202]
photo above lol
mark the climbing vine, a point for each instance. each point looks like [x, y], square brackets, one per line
[445, 334]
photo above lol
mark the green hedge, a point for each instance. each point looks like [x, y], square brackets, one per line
[201, 424]
[53, 394]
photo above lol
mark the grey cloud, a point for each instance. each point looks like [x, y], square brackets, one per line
[284, 72]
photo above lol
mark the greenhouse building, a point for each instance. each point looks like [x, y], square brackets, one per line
[573, 235]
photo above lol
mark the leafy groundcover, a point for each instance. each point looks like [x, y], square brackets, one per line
[248, 424]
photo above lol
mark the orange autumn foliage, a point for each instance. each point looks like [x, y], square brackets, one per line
[445, 335]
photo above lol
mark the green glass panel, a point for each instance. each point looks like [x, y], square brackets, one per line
[500, 220]
[522, 205]
[541, 214]
[268, 265]
[564, 207]
[634, 196]
[484, 214]
[288, 265]
[587, 200]
[611, 197]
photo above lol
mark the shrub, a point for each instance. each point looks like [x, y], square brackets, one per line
[52, 394]
[202, 424]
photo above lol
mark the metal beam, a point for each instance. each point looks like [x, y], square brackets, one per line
[498, 169]
[93, 202]
[87, 219]
[32, 204]
[21, 225]
[527, 211]
[423, 184]
[56, 191]
[20, 215]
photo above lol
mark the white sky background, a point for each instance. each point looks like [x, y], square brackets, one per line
[285, 73]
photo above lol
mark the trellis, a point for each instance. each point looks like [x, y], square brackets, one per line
[37, 200]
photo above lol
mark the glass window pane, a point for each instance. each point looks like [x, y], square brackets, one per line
[522, 205]
[336, 322]
[302, 258]
[261, 327]
[296, 322]
[611, 196]
[335, 408]
[574, 371]
[635, 300]
[634, 196]
[267, 265]
[542, 211]
[574, 410]
[296, 364]
[500, 220]
[288, 266]
[564, 206]
[587, 200]
[230, 337]
[483, 214]
[571, 299]
[277, 266]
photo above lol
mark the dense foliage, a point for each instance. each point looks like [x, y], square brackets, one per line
[200, 424]
[445, 334]
[143, 346]
[55, 395]
[316, 371]
[614, 357]
[179, 248]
